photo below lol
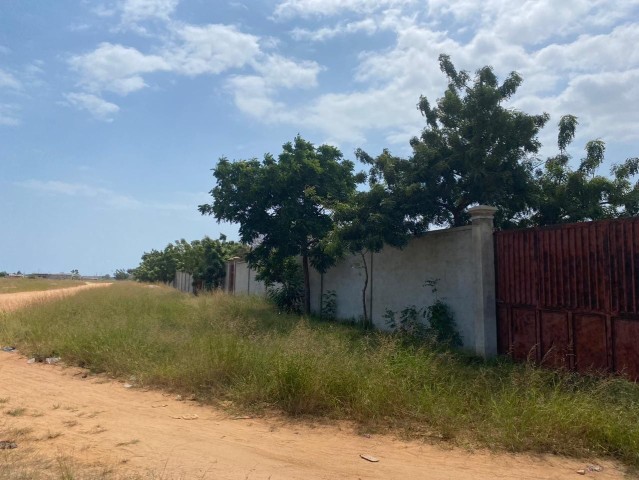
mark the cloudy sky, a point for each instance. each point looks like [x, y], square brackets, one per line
[112, 113]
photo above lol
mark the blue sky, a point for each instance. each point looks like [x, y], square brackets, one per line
[112, 113]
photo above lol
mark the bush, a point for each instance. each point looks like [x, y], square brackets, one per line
[439, 324]
[288, 295]
[329, 305]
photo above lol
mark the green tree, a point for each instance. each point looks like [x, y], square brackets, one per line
[157, 266]
[283, 205]
[121, 274]
[472, 150]
[364, 224]
[566, 195]
[204, 259]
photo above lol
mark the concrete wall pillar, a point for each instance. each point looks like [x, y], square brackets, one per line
[231, 275]
[484, 265]
[227, 278]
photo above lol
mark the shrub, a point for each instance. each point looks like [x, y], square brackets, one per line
[329, 305]
[434, 323]
[288, 295]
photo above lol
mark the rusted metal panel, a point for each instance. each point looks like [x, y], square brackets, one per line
[626, 354]
[572, 293]
[590, 343]
[503, 329]
[524, 333]
[555, 339]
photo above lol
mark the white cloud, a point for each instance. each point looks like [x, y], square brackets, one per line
[137, 10]
[98, 107]
[104, 196]
[308, 8]
[116, 68]
[253, 96]
[604, 51]
[279, 71]
[7, 80]
[367, 25]
[210, 49]
[194, 50]
[9, 115]
[575, 58]
[601, 102]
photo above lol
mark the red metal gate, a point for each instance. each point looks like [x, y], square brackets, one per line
[568, 295]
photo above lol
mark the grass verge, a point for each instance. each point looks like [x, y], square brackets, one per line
[220, 347]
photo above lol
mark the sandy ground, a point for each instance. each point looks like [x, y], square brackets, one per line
[53, 410]
[12, 301]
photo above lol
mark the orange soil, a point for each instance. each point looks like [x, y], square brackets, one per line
[98, 421]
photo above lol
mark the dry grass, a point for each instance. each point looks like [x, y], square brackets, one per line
[238, 349]
[14, 285]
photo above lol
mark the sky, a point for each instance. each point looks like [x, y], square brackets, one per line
[113, 113]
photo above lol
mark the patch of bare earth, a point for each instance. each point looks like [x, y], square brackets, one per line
[13, 301]
[69, 424]
[67, 418]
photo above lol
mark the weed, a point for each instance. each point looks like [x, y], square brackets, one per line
[434, 323]
[135, 441]
[52, 435]
[288, 294]
[16, 412]
[329, 305]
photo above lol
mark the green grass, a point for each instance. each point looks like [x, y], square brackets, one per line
[220, 347]
[25, 284]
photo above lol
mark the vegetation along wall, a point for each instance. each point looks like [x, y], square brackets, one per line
[460, 259]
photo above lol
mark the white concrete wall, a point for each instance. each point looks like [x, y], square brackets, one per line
[461, 258]
[183, 281]
[397, 277]
[347, 279]
[245, 282]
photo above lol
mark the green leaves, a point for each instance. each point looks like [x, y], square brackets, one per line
[564, 195]
[472, 150]
[204, 259]
[283, 206]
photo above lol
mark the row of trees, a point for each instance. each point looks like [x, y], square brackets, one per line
[204, 259]
[473, 150]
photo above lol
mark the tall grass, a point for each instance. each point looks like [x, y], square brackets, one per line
[238, 348]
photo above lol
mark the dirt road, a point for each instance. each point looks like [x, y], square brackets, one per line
[99, 421]
[12, 301]
[55, 412]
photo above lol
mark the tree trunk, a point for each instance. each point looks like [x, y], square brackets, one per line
[307, 285]
[365, 321]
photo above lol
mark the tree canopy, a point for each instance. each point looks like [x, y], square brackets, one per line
[472, 150]
[204, 259]
[565, 195]
[283, 205]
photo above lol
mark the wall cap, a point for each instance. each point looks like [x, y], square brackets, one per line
[482, 211]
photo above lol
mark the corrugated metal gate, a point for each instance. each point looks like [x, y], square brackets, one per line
[568, 295]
